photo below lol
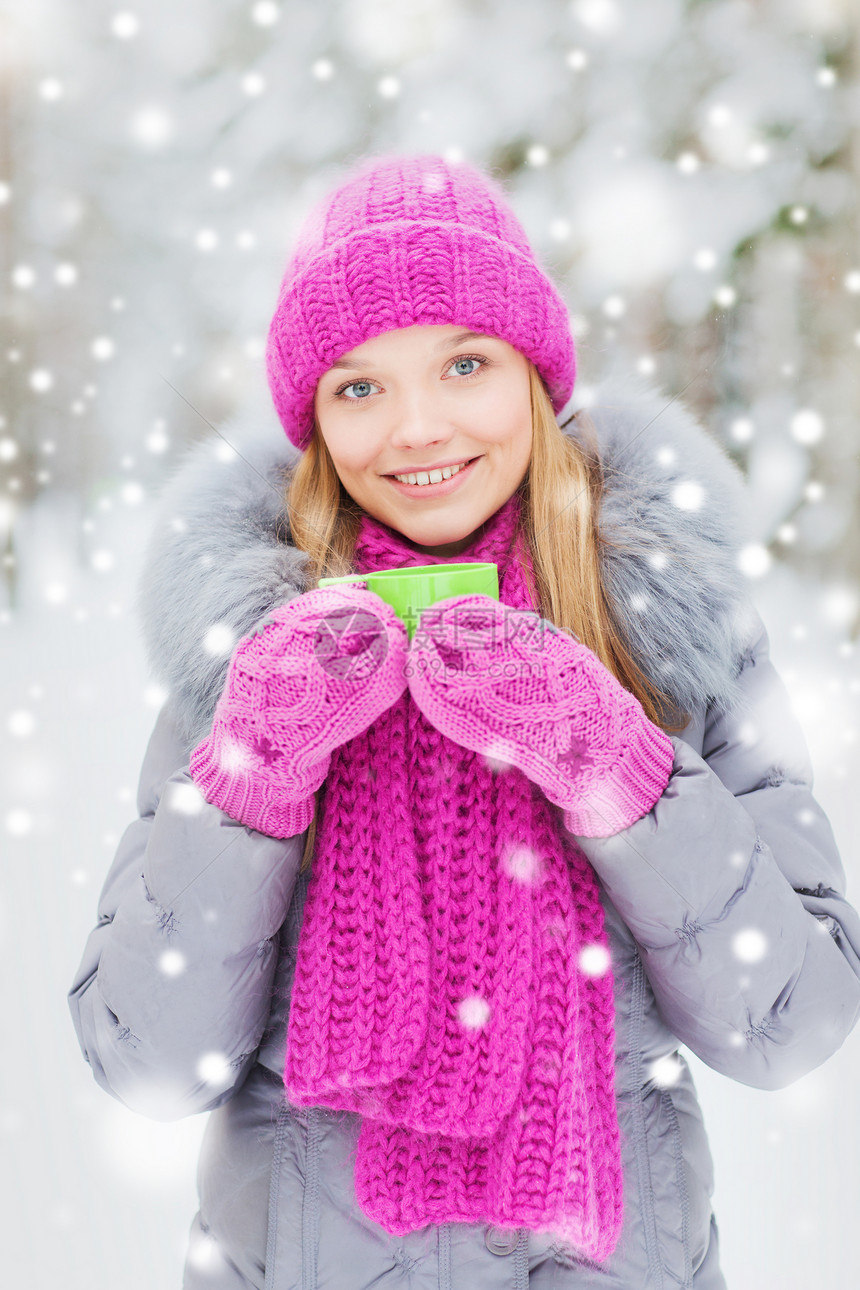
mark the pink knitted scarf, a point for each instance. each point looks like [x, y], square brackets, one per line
[453, 983]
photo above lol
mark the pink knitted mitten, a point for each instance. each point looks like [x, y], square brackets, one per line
[312, 675]
[509, 684]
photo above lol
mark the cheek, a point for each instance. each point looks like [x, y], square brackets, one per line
[346, 458]
[507, 417]
[515, 439]
[358, 475]
[349, 450]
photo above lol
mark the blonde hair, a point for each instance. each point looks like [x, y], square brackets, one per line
[560, 499]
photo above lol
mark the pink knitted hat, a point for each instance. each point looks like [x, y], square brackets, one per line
[406, 241]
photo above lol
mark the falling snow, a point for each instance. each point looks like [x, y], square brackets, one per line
[689, 495]
[219, 640]
[151, 127]
[171, 962]
[706, 237]
[233, 757]
[666, 1071]
[594, 960]
[214, 1068]
[125, 25]
[750, 945]
[754, 559]
[473, 1012]
[185, 798]
[523, 865]
[204, 1254]
[807, 426]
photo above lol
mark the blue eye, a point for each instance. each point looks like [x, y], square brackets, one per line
[465, 360]
[350, 386]
[362, 398]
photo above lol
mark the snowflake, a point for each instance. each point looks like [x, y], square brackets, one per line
[576, 756]
[666, 1071]
[172, 962]
[213, 1068]
[522, 864]
[219, 639]
[125, 25]
[102, 348]
[266, 749]
[754, 559]
[594, 960]
[185, 798]
[807, 426]
[750, 945]
[689, 495]
[151, 127]
[265, 14]
[474, 1012]
[21, 722]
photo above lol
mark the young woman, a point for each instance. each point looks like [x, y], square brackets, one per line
[423, 919]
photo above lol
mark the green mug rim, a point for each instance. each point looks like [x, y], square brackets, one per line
[482, 570]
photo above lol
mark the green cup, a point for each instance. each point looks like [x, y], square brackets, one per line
[408, 591]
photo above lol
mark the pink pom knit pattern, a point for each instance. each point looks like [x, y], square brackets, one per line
[453, 983]
[312, 675]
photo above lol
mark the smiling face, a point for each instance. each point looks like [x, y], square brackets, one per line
[423, 397]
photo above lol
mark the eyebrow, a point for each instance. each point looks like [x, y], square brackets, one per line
[449, 343]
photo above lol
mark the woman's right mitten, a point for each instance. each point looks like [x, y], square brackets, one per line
[312, 675]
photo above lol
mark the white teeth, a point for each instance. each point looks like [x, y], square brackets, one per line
[431, 477]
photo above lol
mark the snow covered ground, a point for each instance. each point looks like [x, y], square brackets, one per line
[97, 1197]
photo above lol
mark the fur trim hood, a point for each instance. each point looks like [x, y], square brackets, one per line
[674, 510]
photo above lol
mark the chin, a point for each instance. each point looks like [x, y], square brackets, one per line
[442, 531]
[441, 537]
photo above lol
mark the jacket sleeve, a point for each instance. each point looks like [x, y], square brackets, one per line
[734, 890]
[173, 992]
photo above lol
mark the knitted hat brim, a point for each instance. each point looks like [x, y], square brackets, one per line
[442, 273]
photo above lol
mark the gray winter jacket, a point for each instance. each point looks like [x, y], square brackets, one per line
[725, 906]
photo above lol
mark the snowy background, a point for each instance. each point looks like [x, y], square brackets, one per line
[688, 172]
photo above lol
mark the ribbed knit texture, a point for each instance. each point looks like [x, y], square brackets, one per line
[410, 241]
[453, 983]
[311, 675]
[515, 688]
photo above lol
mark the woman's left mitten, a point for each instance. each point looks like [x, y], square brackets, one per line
[512, 686]
[316, 672]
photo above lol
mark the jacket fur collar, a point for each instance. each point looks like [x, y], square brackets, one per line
[218, 557]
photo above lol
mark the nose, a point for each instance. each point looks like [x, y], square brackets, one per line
[418, 423]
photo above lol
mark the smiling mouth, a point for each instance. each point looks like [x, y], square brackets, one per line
[423, 478]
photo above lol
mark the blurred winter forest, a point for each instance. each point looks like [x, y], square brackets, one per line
[687, 171]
